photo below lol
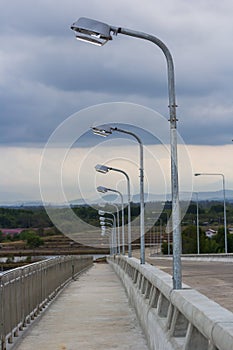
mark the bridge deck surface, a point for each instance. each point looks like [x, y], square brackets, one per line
[211, 278]
[91, 313]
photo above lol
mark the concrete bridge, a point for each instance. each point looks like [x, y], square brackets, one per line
[93, 310]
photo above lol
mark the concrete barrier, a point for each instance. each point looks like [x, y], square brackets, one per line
[173, 319]
[226, 258]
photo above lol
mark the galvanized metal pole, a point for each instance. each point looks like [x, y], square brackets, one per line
[122, 223]
[177, 249]
[141, 175]
[198, 233]
[118, 228]
[123, 219]
[129, 209]
[225, 215]
[114, 230]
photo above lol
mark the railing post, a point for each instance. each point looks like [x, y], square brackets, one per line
[2, 335]
[21, 300]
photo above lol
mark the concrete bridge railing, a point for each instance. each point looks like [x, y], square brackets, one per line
[173, 319]
[26, 291]
[218, 257]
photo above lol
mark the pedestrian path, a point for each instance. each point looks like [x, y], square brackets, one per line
[93, 313]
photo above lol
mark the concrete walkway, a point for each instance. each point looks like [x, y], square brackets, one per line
[91, 313]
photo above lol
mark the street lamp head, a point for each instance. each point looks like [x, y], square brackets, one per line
[102, 131]
[197, 174]
[101, 212]
[102, 168]
[102, 189]
[105, 230]
[91, 31]
[106, 224]
[102, 205]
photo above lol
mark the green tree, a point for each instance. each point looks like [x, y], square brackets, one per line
[189, 240]
[210, 246]
[32, 239]
[165, 248]
[219, 238]
[216, 208]
[25, 233]
[230, 243]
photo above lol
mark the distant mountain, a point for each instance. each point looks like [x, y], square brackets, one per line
[214, 196]
[20, 204]
[150, 197]
[184, 196]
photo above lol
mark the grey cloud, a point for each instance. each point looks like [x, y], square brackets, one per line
[47, 75]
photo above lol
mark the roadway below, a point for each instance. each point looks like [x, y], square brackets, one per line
[211, 278]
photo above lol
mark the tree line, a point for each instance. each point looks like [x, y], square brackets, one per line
[213, 245]
[36, 219]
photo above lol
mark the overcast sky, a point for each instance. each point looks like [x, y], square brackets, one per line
[46, 76]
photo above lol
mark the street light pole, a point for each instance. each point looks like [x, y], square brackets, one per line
[118, 226]
[104, 169]
[107, 224]
[224, 203]
[105, 220]
[99, 33]
[104, 190]
[197, 224]
[105, 131]
[116, 223]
